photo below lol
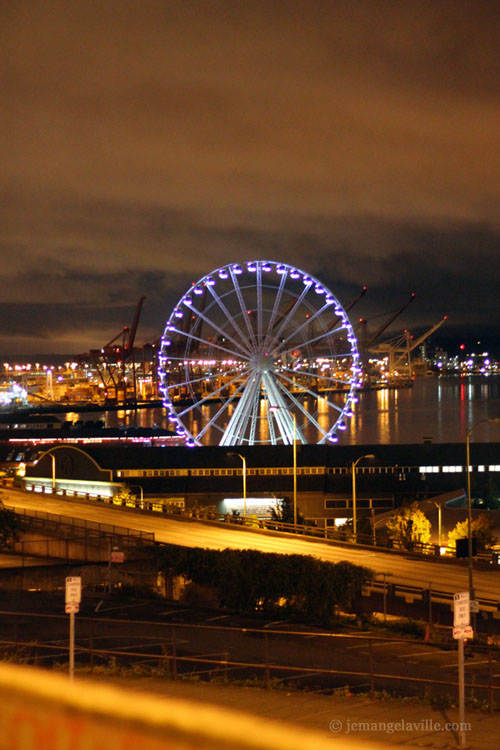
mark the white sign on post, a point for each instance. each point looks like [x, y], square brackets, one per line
[461, 609]
[73, 590]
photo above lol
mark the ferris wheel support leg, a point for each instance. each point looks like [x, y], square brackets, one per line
[235, 432]
[279, 409]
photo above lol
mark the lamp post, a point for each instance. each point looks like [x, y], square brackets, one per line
[279, 408]
[468, 433]
[354, 509]
[294, 470]
[439, 509]
[244, 482]
[138, 487]
[53, 472]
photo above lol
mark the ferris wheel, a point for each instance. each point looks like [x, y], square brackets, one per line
[258, 353]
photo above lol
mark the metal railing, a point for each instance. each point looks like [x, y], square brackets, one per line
[81, 528]
[162, 647]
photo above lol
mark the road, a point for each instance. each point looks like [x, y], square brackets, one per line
[399, 568]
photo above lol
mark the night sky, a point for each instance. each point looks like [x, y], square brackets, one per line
[146, 143]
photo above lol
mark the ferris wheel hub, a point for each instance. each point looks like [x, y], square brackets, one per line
[263, 361]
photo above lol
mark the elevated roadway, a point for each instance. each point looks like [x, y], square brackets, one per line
[399, 568]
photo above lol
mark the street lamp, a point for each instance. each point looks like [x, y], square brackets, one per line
[276, 409]
[138, 487]
[354, 509]
[468, 467]
[244, 482]
[439, 509]
[53, 472]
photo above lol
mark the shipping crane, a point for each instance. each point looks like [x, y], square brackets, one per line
[112, 359]
[399, 349]
[368, 340]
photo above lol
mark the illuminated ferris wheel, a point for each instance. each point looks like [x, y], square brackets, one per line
[258, 353]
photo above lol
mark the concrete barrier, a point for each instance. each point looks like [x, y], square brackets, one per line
[45, 711]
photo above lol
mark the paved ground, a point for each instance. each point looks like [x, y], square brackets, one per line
[387, 722]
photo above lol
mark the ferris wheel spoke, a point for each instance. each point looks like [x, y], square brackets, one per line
[304, 411]
[310, 393]
[310, 341]
[338, 381]
[243, 309]
[276, 305]
[190, 337]
[211, 395]
[213, 421]
[235, 431]
[259, 303]
[228, 315]
[191, 381]
[307, 323]
[244, 351]
[289, 317]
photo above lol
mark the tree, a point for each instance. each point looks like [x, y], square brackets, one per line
[248, 580]
[489, 496]
[10, 526]
[125, 496]
[283, 511]
[481, 528]
[345, 530]
[409, 526]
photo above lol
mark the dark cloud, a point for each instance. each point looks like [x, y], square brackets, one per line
[146, 143]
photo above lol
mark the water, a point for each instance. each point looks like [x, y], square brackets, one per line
[438, 408]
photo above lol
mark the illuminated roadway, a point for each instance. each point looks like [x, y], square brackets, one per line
[415, 572]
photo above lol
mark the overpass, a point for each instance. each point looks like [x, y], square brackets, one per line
[403, 568]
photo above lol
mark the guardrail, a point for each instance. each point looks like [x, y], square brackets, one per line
[81, 528]
[428, 596]
[325, 534]
[166, 649]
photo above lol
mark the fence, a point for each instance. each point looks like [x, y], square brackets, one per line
[321, 661]
[84, 529]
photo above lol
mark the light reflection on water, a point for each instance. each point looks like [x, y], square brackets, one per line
[439, 408]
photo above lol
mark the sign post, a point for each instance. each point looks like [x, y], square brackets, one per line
[116, 555]
[73, 599]
[461, 630]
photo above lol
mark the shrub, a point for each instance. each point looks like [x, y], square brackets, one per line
[248, 580]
